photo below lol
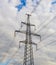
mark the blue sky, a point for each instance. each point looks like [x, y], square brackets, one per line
[53, 2]
[5, 63]
[23, 3]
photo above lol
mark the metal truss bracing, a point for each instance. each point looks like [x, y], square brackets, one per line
[28, 52]
[28, 55]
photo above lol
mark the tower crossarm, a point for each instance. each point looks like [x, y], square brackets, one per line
[24, 32]
[24, 41]
[27, 24]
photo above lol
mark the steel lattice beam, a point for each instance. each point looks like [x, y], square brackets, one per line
[28, 52]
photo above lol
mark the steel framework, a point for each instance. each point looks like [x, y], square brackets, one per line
[28, 52]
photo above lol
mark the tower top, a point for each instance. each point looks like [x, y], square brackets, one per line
[28, 14]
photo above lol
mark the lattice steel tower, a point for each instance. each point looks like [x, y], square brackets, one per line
[28, 52]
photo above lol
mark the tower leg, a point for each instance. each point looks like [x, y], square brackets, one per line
[28, 55]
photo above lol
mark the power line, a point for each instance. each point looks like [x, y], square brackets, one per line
[35, 6]
[44, 25]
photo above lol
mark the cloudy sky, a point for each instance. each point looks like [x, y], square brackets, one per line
[43, 15]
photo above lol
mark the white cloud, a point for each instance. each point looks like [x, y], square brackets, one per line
[10, 20]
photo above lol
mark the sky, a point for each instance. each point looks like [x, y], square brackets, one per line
[43, 15]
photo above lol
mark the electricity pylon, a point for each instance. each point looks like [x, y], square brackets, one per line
[28, 52]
